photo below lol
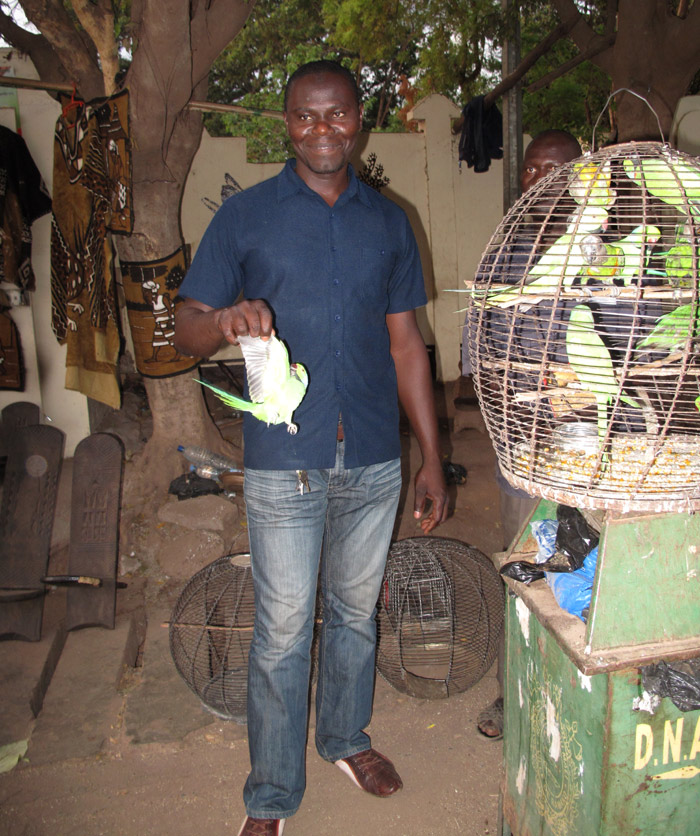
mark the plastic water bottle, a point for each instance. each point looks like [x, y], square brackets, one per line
[201, 457]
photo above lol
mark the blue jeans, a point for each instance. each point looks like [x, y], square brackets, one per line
[343, 523]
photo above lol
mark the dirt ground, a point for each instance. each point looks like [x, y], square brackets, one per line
[158, 764]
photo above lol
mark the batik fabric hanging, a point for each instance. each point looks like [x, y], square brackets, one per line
[150, 289]
[91, 197]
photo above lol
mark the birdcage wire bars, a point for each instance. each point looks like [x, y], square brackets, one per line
[583, 333]
[440, 617]
[211, 628]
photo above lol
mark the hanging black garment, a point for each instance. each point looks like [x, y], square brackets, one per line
[482, 135]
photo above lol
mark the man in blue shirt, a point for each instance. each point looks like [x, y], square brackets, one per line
[335, 267]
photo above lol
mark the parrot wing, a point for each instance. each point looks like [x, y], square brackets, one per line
[266, 365]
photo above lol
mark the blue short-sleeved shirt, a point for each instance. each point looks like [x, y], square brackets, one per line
[330, 276]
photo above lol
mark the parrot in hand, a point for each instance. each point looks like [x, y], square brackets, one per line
[672, 329]
[674, 181]
[276, 388]
[590, 359]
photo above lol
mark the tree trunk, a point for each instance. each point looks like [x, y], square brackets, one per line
[655, 54]
[165, 136]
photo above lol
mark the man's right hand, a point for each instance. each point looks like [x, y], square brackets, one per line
[200, 329]
[249, 316]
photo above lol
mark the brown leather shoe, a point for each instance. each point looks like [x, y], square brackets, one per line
[372, 772]
[261, 827]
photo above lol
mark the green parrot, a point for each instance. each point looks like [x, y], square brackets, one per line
[635, 251]
[674, 181]
[679, 258]
[604, 261]
[559, 265]
[590, 359]
[672, 329]
[276, 388]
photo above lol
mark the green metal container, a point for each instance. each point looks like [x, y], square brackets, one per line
[581, 757]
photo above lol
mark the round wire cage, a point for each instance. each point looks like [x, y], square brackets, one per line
[440, 617]
[211, 629]
[583, 332]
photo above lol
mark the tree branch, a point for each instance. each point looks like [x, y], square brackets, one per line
[76, 54]
[528, 61]
[98, 21]
[583, 35]
[600, 46]
[214, 25]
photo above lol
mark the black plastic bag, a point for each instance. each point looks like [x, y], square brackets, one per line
[189, 485]
[680, 682]
[575, 539]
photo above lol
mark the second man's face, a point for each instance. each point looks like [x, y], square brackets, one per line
[323, 121]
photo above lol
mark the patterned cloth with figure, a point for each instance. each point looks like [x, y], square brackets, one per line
[92, 196]
[151, 292]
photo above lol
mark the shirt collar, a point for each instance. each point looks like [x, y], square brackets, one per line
[289, 183]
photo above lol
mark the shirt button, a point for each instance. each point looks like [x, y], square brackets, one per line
[337, 386]
[333, 249]
[337, 317]
[337, 353]
[332, 215]
[336, 282]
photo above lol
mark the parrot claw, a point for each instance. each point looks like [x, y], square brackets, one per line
[292, 429]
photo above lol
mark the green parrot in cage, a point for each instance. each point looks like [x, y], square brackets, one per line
[276, 388]
[559, 265]
[673, 329]
[681, 257]
[604, 261]
[590, 358]
[635, 251]
[675, 182]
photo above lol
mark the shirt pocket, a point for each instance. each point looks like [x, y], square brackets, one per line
[376, 267]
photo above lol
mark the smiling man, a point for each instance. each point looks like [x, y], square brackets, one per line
[335, 266]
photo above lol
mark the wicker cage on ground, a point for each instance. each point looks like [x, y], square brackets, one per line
[583, 333]
[440, 617]
[211, 629]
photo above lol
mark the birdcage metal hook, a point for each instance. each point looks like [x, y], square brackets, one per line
[639, 96]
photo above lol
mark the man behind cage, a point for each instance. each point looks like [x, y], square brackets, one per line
[332, 268]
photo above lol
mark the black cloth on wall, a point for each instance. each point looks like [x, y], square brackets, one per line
[481, 139]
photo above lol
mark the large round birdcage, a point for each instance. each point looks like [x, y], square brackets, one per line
[583, 332]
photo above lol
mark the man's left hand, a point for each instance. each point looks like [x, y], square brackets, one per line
[430, 485]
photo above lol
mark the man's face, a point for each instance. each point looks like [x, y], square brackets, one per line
[323, 121]
[541, 158]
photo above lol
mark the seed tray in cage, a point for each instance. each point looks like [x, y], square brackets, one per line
[585, 310]
[440, 616]
[211, 629]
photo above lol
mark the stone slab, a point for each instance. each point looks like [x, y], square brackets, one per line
[82, 706]
[162, 708]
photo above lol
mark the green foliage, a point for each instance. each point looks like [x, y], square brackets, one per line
[573, 101]
[450, 47]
